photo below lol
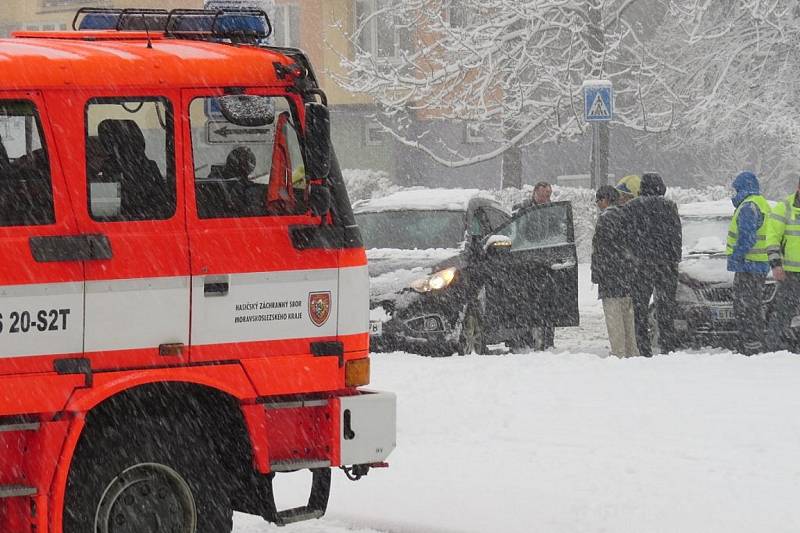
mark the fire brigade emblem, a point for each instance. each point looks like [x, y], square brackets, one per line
[319, 307]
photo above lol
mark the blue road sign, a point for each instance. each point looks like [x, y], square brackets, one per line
[598, 101]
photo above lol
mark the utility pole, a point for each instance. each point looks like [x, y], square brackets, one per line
[599, 113]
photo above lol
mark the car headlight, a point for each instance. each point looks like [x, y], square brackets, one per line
[436, 281]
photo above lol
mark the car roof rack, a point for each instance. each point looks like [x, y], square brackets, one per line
[240, 25]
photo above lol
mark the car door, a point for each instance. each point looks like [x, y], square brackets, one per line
[533, 281]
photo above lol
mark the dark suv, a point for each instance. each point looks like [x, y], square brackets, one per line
[451, 271]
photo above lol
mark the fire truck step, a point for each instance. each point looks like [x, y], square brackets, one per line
[290, 465]
[20, 426]
[16, 491]
[298, 514]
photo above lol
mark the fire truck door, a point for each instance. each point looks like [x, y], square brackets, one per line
[41, 274]
[255, 290]
[137, 296]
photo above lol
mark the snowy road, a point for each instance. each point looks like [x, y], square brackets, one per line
[574, 441]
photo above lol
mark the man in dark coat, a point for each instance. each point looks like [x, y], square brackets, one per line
[542, 194]
[655, 241]
[610, 264]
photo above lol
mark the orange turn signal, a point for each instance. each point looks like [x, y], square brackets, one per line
[356, 372]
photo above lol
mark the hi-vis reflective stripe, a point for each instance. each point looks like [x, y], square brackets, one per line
[779, 218]
[791, 263]
[762, 240]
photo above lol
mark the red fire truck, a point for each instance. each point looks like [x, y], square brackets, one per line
[183, 288]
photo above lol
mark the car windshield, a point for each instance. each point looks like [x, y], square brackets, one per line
[410, 230]
[705, 235]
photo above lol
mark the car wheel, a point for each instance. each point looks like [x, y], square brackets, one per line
[472, 339]
[534, 339]
[655, 341]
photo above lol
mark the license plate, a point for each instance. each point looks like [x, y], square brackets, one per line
[375, 327]
[724, 313]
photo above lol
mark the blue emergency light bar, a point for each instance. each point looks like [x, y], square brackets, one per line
[236, 25]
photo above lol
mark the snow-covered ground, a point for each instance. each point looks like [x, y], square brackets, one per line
[575, 441]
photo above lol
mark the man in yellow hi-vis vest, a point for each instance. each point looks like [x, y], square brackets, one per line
[747, 257]
[783, 244]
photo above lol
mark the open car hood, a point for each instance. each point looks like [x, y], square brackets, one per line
[706, 270]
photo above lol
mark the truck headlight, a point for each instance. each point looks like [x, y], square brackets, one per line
[436, 281]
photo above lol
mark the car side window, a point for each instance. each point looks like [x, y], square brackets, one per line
[475, 226]
[26, 192]
[540, 227]
[130, 159]
[496, 218]
[245, 171]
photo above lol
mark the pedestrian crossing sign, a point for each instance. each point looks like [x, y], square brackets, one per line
[598, 101]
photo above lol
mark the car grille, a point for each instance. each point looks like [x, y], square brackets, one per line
[725, 294]
[718, 294]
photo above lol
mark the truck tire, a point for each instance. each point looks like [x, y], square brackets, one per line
[144, 479]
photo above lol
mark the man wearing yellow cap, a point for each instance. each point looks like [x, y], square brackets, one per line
[628, 188]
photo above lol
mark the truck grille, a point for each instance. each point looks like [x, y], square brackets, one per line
[725, 294]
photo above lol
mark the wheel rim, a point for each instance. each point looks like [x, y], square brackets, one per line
[655, 342]
[471, 334]
[147, 498]
[537, 338]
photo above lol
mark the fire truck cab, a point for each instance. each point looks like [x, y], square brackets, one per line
[183, 288]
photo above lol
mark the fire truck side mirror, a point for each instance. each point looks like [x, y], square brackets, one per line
[318, 141]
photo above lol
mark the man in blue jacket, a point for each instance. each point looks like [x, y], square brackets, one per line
[747, 257]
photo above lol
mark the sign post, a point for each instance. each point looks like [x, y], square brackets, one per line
[598, 108]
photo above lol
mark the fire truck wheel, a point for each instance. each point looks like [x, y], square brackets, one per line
[144, 481]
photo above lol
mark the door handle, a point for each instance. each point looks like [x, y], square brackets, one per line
[91, 247]
[562, 266]
[216, 286]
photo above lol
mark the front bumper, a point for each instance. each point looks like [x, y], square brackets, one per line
[397, 334]
[367, 427]
[428, 324]
[708, 324]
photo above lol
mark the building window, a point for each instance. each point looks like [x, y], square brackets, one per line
[286, 25]
[379, 33]
[68, 4]
[458, 15]
[473, 133]
[373, 134]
